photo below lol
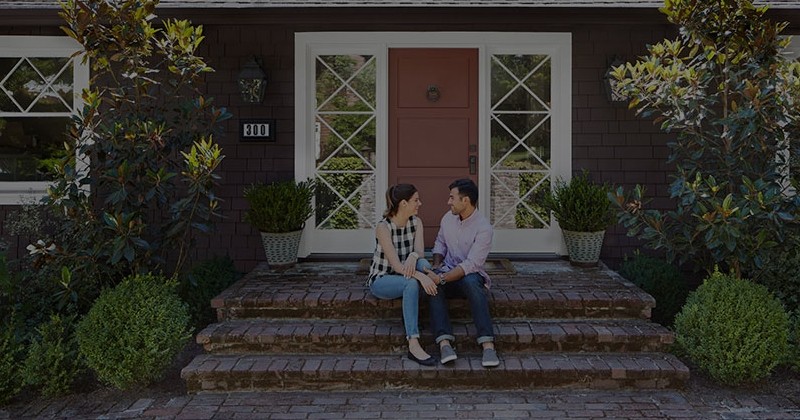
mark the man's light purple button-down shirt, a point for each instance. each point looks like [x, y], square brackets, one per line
[465, 243]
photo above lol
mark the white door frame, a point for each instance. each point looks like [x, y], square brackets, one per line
[310, 44]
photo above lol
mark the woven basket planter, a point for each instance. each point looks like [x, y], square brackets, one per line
[584, 247]
[281, 248]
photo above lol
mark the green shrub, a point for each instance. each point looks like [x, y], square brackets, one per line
[580, 205]
[661, 280]
[203, 283]
[726, 90]
[733, 329]
[794, 342]
[781, 275]
[279, 207]
[10, 353]
[134, 331]
[52, 363]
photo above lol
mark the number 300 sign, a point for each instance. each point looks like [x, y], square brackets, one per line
[257, 130]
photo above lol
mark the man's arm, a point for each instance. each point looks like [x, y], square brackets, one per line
[478, 252]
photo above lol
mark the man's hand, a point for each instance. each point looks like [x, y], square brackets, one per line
[433, 276]
[427, 283]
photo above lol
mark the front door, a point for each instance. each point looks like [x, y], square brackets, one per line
[433, 124]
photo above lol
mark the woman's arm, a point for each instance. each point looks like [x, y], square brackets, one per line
[389, 251]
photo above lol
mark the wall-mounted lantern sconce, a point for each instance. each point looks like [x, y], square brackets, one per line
[609, 83]
[252, 81]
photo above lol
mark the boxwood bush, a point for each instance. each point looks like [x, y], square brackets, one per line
[133, 331]
[661, 280]
[734, 329]
[794, 342]
[52, 363]
[10, 353]
[205, 281]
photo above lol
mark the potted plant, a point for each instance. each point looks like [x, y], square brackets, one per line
[279, 211]
[583, 211]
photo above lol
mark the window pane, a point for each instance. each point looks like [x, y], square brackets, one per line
[36, 84]
[520, 140]
[29, 147]
[345, 139]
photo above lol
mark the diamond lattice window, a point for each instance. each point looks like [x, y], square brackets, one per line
[520, 140]
[345, 141]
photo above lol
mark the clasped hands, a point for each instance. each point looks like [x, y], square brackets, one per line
[428, 281]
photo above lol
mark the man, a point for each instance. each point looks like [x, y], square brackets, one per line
[460, 251]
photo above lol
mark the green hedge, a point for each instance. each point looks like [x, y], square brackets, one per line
[204, 282]
[734, 329]
[52, 363]
[661, 280]
[133, 332]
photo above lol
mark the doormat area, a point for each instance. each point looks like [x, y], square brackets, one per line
[493, 266]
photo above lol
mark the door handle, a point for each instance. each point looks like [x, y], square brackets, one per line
[473, 165]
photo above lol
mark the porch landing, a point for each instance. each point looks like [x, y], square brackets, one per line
[316, 326]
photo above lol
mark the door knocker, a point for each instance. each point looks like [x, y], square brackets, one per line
[433, 93]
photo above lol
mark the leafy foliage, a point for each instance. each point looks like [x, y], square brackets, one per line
[781, 275]
[730, 96]
[661, 280]
[580, 205]
[344, 183]
[134, 331]
[10, 355]
[794, 342]
[733, 328]
[52, 363]
[281, 206]
[144, 142]
[203, 283]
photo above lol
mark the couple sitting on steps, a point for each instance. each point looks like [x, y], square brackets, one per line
[399, 269]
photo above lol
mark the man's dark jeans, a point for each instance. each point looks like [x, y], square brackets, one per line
[472, 288]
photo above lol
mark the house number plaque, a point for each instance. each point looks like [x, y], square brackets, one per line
[257, 130]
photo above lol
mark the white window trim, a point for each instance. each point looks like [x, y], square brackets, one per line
[20, 192]
[308, 45]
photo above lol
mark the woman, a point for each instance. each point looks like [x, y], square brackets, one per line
[397, 268]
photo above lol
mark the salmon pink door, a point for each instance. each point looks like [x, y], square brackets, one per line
[433, 124]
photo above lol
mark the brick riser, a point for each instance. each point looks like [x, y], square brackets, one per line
[220, 373]
[387, 336]
[458, 309]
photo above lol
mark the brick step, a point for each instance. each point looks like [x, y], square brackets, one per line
[387, 336]
[543, 290]
[226, 373]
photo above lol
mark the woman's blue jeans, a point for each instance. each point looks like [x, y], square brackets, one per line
[472, 288]
[393, 286]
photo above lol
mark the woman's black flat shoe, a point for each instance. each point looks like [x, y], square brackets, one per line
[430, 361]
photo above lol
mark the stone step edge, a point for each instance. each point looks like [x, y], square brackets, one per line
[212, 373]
[457, 311]
[265, 331]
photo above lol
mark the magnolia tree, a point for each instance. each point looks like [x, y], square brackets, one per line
[140, 171]
[730, 96]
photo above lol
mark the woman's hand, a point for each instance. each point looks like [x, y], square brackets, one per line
[410, 265]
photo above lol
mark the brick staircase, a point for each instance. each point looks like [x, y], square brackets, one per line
[317, 327]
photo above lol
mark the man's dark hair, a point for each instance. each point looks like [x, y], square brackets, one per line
[466, 188]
